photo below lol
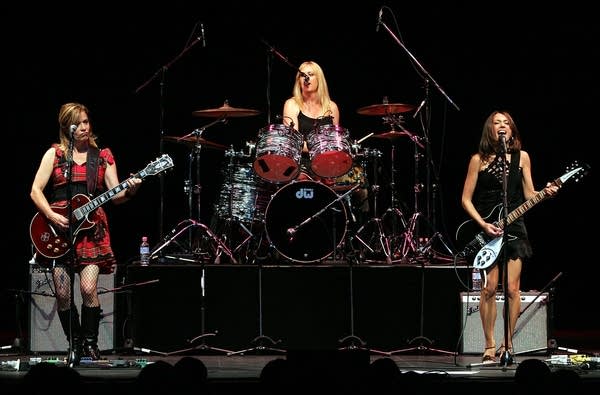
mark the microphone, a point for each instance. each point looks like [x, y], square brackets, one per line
[502, 138]
[378, 20]
[306, 77]
[291, 232]
[72, 130]
[203, 35]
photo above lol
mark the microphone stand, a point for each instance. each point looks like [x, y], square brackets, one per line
[428, 76]
[285, 60]
[162, 71]
[292, 231]
[426, 124]
[73, 253]
[506, 358]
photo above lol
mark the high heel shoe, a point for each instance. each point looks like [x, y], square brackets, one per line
[506, 356]
[487, 358]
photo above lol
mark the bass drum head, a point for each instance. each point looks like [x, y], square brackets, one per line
[316, 220]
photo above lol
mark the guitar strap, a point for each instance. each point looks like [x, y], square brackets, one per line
[513, 180]
[92, 170]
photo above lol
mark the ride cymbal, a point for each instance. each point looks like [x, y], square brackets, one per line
[385, 109]
[225, 111]
[193, 140]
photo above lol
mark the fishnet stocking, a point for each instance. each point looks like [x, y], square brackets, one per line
[88, 285]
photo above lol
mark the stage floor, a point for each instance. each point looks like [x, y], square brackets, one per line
[239, 374]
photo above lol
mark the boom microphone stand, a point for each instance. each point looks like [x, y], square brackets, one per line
[414, 220]
[162, 71]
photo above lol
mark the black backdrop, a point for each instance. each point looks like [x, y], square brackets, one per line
[538, 64]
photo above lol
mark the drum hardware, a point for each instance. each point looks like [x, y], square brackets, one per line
[426, 122]
[375, 229]
[216, 245]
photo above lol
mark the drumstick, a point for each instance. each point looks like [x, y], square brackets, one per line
[366, 137]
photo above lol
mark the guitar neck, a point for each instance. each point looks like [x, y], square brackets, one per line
[99, 200]
[524, 207]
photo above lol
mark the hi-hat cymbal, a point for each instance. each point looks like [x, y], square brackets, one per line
[395, 134]
[392, 135]
[193, 140]
[225, 111]
[385, 109]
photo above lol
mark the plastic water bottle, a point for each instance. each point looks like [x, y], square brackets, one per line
[476, 279]
[144, 251]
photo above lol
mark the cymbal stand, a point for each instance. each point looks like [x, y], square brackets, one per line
[412, 245]
[390, 220]
[260, 342]
[219, 246]
[352, 341]
[374, 223]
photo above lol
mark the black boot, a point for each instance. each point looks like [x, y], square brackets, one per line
[64, 316]
[90, 321]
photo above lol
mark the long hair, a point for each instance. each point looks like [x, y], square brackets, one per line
[322, 89]
[69, 115]
[488, 145]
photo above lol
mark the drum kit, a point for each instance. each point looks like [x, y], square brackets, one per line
[263, 209]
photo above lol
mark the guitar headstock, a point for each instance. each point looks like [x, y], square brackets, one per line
[576, 171]
[159, 165]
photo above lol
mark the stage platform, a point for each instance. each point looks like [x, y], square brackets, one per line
[240, 374]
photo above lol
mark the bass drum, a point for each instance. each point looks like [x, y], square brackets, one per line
[304, 222]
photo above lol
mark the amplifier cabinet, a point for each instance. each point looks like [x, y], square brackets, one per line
[45, 332]
[531, 331]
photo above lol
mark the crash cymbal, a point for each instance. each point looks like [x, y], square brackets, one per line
[385, 109]
[192, 140]
[225, 111]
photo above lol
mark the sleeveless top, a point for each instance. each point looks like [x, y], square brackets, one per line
[487, 199]
[308, 124]
[92, 246]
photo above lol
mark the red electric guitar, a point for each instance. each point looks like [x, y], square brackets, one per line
[53, 243]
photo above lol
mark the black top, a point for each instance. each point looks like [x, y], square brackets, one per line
[487, 199]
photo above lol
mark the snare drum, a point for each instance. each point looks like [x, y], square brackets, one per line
[278, 152]
[329, 151]
[356, 175]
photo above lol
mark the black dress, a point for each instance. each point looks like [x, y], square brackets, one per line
[487, 199]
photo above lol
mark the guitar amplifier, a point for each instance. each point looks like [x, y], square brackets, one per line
[531, 331]
[45, 331]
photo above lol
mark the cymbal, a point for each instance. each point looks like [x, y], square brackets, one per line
[385, 109]
[225, 111]
[192, 140]
[394, 134]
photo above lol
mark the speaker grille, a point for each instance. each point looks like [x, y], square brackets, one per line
[45, 331]
[531, 331]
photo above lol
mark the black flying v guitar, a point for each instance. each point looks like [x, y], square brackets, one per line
[53, 243]
[488, 248]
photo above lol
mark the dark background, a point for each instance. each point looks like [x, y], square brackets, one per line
[538, 64]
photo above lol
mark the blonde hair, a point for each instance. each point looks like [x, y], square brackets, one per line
[322, 89]
[69, 115]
